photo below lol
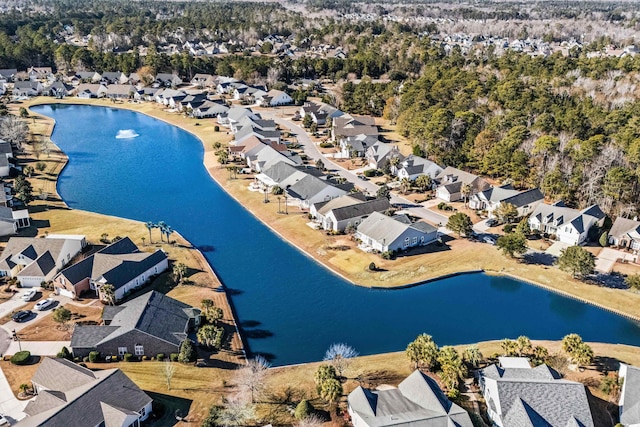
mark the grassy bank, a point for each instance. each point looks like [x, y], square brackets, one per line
[341, 255]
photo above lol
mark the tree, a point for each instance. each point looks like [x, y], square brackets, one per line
[611, 385]
[571, 342]
[28, 171]
[510, 347]
[539, 355]
[310, 421]
[62, 315]
[466, 191]
[472, 355]
[524, 345]
[23, 113]
[576, 260]
[149, 226]
[460, 224]
[168, 369]
[423, 352]
[583, 355]
[64, 353]
[251, 377]
[187, 352]
[523, 227]
[383, 192]
[108, 293]
[24, 190]
[633, 281]
[322, 374]
[512, 244]
[161, 226]
[304, 409]
[307, 121]
[210, 336]
[211, 312]
[320, 164]
[604, 239]
[331, 390]
[237, 412]
[506, 212]
[453, 369]
[213, 417]
[277, 190]
[423, 182]
[340, 355]
[179, 270]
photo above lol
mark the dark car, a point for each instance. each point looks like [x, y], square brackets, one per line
[21, 316]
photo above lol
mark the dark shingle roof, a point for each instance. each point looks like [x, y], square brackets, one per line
[360, 209]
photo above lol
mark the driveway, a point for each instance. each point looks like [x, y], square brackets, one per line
[608, 258]
[38, 348]
[557, 248]
[311, 150]
[10, 406]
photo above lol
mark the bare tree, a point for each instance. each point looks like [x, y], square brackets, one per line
[168, 369]
[251, 377]
[310, 421]
[14, 130]
[340, 355]
[237, 412]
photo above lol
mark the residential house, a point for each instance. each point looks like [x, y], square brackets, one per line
[345, 126]
[122, 91]
[113, 78]
[274, 98]
[166, 95]
[150, 93]
[338, 214]
[357, 145]
[625, 233]
[569, 225]
[35, 260]
[262, 156]
[380, 153]
[88, 76]
[3, 87]
[58, 89]
[120, 264]
[246, 93]
[629, 402]
[272, 136]
[284, 175]
[227, 85]
[27, 88]
[254, 122]
[312, 110]
[234, 115]
[68, 394]
[417, 401]
[6, 153]
[311, 189]
[412, 167]
[167, 80]
[91, 90]
[40, 73]
[519, 395]
[145, 326]
[451, 180]
[209, 109]
[393, 233]
[489, 200]
[8, 74]
[204, 81]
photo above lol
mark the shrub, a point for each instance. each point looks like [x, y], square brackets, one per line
[372, 266]
[128, 357]
[145, 357]
[216, 128]
[174, 357]
[369, 173]
[85, 359]
[304, 410]
[160, 357]
[77, 359]
[187, 352]
[21, 358]
[64, 354]
[442, 205]
[94, 356]
[326, 144]
[508, 228]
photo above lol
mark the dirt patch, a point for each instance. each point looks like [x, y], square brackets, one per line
[48, 329]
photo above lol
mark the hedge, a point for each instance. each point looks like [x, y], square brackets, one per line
[174, 357]
[94, 356]
[128, 357]
[21, 358]
[160, 357]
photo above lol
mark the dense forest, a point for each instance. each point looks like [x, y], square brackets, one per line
[568, 124]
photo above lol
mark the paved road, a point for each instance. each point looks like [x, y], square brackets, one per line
[311, 150]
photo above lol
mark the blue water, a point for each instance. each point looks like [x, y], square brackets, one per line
[292, 309]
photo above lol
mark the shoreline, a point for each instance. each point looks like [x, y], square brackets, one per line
[51, 124]
[210, 163]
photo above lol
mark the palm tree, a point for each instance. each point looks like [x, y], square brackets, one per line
[161, 225]
[466, 190]
[168, 231]
[179, 270]
[149, 226]
[108, 293]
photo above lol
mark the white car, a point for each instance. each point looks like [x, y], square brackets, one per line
[489, 240]
[3, 421]
[44, 304]
[29, 295]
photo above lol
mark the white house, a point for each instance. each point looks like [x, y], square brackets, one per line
[630, 396]
[413, 166]
[311, 189]
[90, 90]
[27, 88]
[273, 98]
[356, 146]
[36, 260]
[625, 233]
[519, 395]
[569, 225]
[524, 201]
[384, 233]
[349, 210]
[381, 153]
[416, 402]
[451, 180]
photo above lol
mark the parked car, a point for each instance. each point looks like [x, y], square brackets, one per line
[362, 177]
[488, 239]
[3, 421]
[21, 316]
[492, 222]
[44, 304]
[29, 295]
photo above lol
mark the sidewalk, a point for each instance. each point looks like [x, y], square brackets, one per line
[10, 406]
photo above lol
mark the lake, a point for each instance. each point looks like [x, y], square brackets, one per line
[291, 308]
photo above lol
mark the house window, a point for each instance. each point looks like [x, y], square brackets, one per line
[406, 242]
[143, 412]
[635, 244]
[421, 239]
[122, 351]
[139, 350]
[156, 269]
[415, 241]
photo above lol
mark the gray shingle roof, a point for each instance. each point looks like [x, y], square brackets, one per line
[382, 228]
[623, 227]
[417, 401]
[153, 313]
[360, 209]
[84, 405]
[61, 374]
[631, 387]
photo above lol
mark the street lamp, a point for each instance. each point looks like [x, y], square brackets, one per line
[266, 197]
[279, 210]
[17, 338]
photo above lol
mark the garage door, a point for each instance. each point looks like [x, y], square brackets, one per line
[64, 292]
